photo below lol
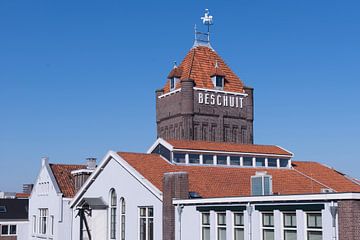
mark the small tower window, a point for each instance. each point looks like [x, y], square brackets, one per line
[172, 83]
[219, 82]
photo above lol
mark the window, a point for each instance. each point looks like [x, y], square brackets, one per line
[221, 226]
[113, 202]
[261, 184]
[221, 160]
[194, 158]
[146, 223]
[43, 220]
[8, 229]
[234, 160]
[52, 224]
[179, 157]
[122, 226]
[314, 226]
[163, 151]
[272, 162]
[260, 162]
[208, 159]
[172, 83]
[219, 82]
[248, 161]
[243, 135]
[205, 226]
[2, 209]
[289, 226]
[34, 224]
[268, 226]
[239, 226]
[284, 162]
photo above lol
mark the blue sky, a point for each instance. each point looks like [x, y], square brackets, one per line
[77, 78]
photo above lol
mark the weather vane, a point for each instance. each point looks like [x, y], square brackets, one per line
[202, 38]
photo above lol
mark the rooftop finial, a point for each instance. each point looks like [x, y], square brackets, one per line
[175, 64]
[216, 64]
[202, 38]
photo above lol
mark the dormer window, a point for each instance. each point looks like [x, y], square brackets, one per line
[261, 184]
[218, 77]
[219, 82]
[172, 83]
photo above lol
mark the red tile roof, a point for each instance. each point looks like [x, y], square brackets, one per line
[22, 195]
[64, 178]
[228, 147]
[213, 181]
[199, 65]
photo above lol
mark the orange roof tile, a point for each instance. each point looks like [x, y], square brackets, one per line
[199, 65]
[64, 178]
[212, 181]
[22, 195]
[228, 147]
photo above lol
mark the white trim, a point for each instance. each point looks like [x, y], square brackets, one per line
[82, 171]
[170, 93]
[236, 153]
[220, 91]
[272, 198]
[162, 142]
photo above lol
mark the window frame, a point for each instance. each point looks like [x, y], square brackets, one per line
[8, 232]
[267, 227]
[148, 219]
[43, 220]
[205, 225]
[292, 228]
[112, 214]
[220, 226]
[238, 226]
[122, 218]
[313, 229]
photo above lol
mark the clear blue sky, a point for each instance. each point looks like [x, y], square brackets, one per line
[77, 78]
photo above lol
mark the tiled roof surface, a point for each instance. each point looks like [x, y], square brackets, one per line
[64, 178]
[199, 65]
[228, 147]
[22, 195]
[212, 181]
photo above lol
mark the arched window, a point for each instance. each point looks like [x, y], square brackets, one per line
[122, 219]
[113, 200]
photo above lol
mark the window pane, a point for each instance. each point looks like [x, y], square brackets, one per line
[194, 158]
[314, 220]
[4, 229]
[234, 160]
[151, 212]
[247, 161]
[256, 186]
[12, 229]
[219, 81]
[272, 162]
[205, 233]
[284, 162]
[267, 185]
[179, 157]
[151, 229]
[221, 233]
[208, 159]
[239, 234]
[206, 218]
[268, 234]
[239, 219]
[142, 229]
[221, 160]
[260, 162]
[314, 235]
[142, 212]
[268, 220]
[290, 235]
[221, 218]
[290, 220]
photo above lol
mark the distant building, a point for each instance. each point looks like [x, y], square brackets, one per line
[14, 222]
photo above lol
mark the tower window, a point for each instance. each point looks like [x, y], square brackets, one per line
[219, 81]
[172, 83]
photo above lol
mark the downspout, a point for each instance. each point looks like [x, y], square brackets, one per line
[249, 210]
[333, 211]
[180, 210]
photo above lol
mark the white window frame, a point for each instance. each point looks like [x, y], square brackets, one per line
[147, 218]
[122, 219]
[309, 229]
[43, 220]
[263, 228]
[34, 230]
[112, 210]
[8, 230]
[287, 228]
[222, 226]
[202, 225]
[238, 226]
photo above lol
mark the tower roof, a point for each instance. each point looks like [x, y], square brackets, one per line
[199, 65]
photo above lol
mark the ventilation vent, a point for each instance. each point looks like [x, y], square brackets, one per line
[261, 184]
[326, 190]
[194, 195]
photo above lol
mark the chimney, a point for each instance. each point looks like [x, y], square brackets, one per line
[44, 161]
[175, 185]
[81, 175]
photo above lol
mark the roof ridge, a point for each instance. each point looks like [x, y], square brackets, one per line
[66, 164]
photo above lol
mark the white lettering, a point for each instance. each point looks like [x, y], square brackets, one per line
[201, 98]
[212, 99]
[241, 102]
[225, 100]
[236, 102]
[231, 98]
[206, 98]
[218, 100]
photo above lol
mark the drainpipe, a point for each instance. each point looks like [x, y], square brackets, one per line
[333, 211]
[249, 210]
[180, 210]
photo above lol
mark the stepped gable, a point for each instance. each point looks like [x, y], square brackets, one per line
[64, 178]
[216, 181]
[199, 65]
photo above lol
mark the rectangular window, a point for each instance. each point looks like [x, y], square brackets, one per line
[284, 162]
[8, 230]
[289, 226]
[34, 224]
[272, 162]
[221, 226]
[248, 161]
[260, 162]
[52, 224]
[314, 226]
[194, 158]
[205, 226]
[261, 185]
[268, 226]
[239, 226]
[235, 160]
[43, 220]
[221, 160]
[179, 157]
[208, 159]
[2, 209]
[219, 81]
[146, 223]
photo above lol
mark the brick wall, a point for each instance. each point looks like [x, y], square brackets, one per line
[349, 220]
[175, 185]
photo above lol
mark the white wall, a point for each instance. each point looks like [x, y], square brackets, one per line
[135, 194]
